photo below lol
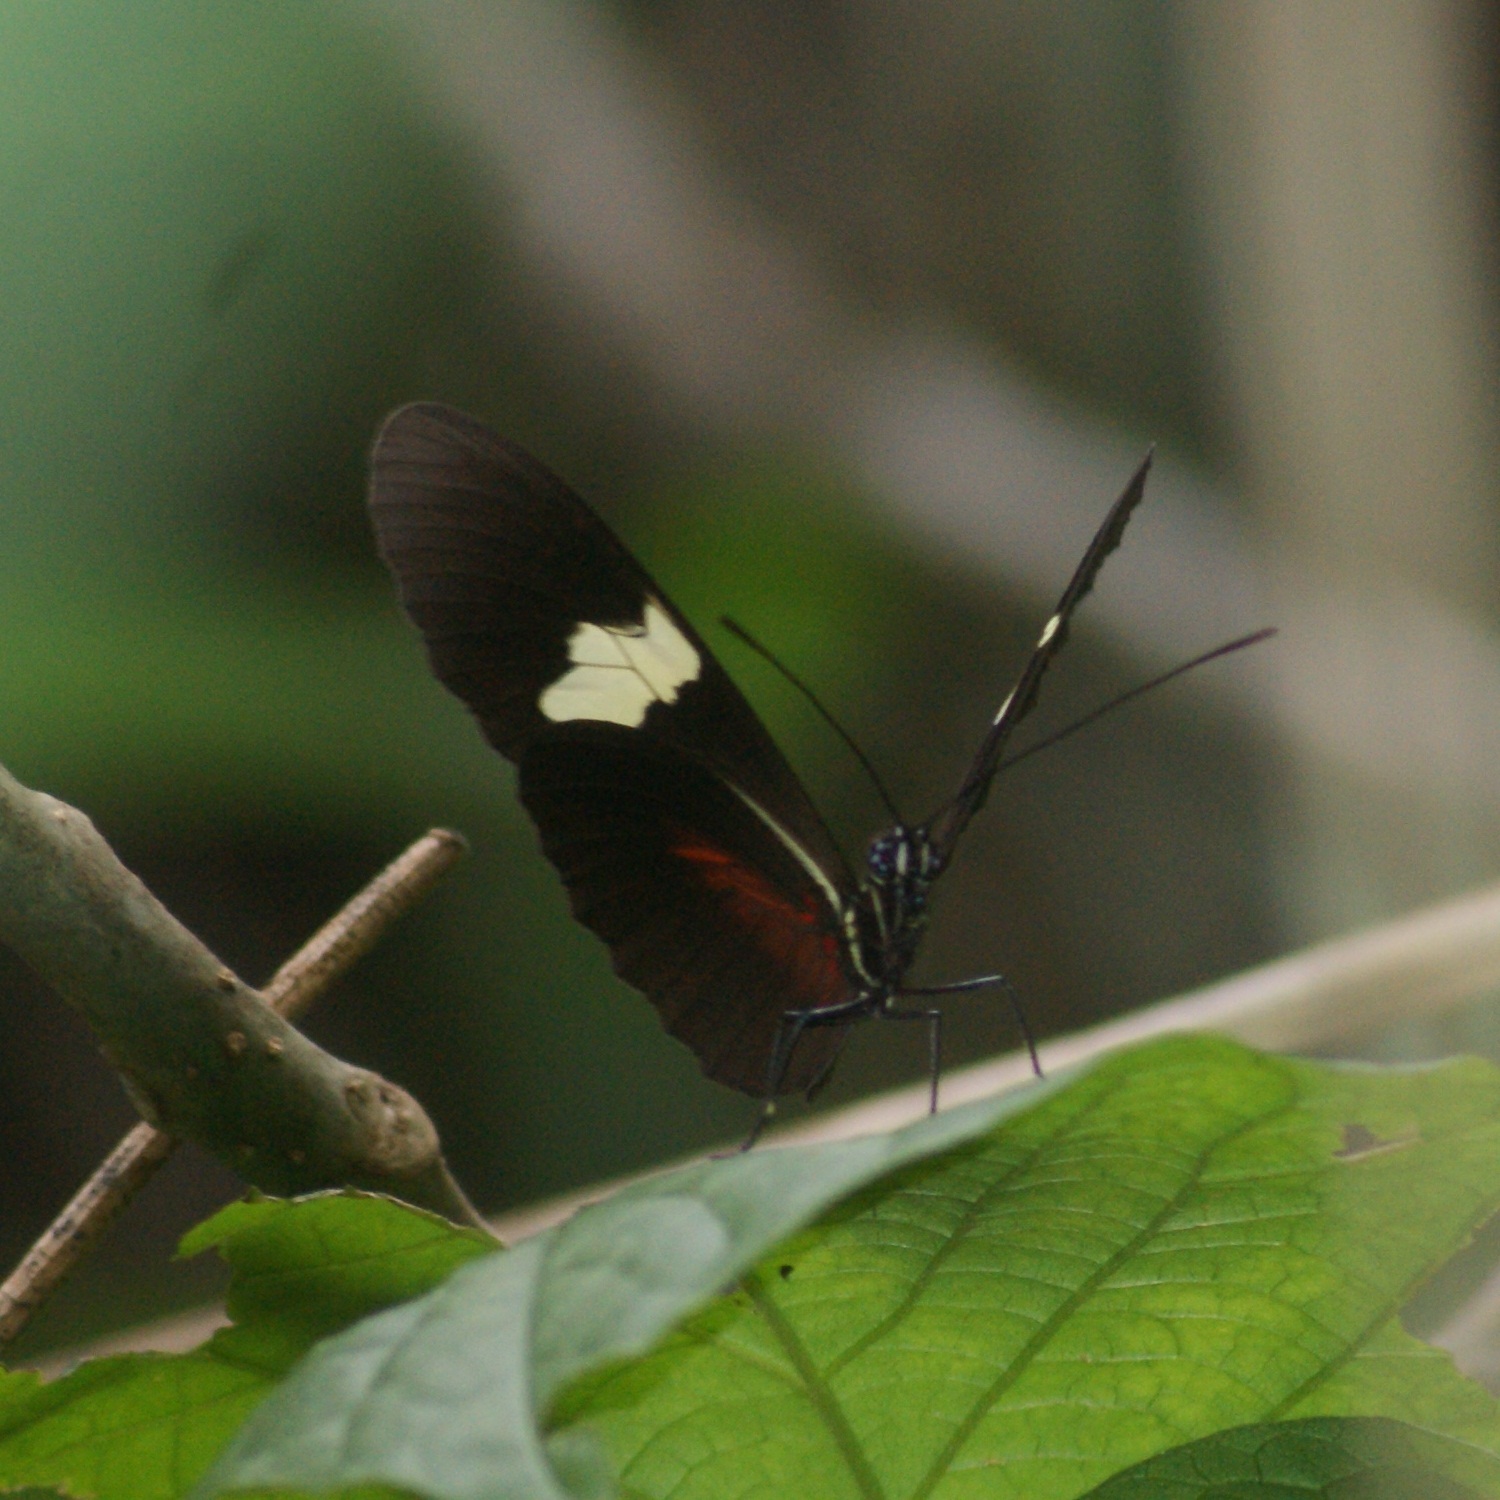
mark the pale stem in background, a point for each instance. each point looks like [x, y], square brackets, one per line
[1416, 966]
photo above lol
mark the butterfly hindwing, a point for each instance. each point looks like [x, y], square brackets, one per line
[702, 906]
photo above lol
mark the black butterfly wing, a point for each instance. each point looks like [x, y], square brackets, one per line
[949, 822]
[703, 906]
[499, 564]
[579, 669]
[496, 561]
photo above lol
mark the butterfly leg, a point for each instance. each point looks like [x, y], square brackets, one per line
[1016, 1008]
[762, 1119]
[788, 1034]
[1022, 1024]
[934, 1019]
[793, 1024]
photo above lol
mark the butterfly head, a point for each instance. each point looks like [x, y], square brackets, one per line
[900, 866]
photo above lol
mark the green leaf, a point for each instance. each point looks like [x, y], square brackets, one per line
[1190, 1238]
[307, 1268]
[1186, 1255]
[1324, 1458]
[441, 1395]
[138, 1427]
[1186, 1238]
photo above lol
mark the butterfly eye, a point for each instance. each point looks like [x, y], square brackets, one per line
[889, 856]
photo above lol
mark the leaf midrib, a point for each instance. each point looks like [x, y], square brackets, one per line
[1028, 1352]
[816, 1383]
[965, 1223]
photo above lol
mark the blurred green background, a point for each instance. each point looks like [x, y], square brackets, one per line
[718, 264]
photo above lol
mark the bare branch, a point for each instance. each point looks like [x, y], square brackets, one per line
[202, 1054]
[90, 1211]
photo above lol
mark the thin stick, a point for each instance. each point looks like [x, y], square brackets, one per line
[353, 931]
[346, 937]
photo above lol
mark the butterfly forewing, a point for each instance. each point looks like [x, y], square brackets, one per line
[946, 826]
[520, 590]
[495, 561]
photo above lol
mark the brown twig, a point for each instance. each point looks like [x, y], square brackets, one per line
[354, 930]
[346, 937]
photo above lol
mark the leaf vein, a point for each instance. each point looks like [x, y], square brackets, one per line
[1033, 1346]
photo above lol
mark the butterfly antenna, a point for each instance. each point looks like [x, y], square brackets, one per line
[1136, 692]
[736, 629]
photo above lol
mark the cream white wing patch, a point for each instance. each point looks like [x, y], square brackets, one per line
[619, 671]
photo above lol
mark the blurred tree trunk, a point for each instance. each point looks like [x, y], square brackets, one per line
[1342, 158]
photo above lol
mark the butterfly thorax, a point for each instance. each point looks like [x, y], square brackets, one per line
[900, 867]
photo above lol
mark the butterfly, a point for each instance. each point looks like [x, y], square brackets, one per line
[682, 835]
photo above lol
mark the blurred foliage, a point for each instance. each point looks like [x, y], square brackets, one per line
[236, 235]
[1014, 167]
[226, 228]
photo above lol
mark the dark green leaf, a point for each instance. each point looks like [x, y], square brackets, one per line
[1322, 1458]
[139, 1427]
[305, 1269]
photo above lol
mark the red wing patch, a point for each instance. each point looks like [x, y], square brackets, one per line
[721, 871]
[794, 934]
